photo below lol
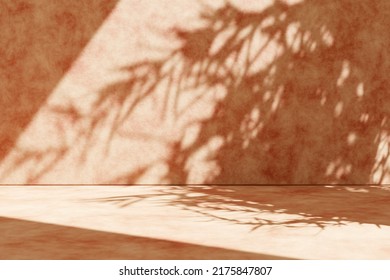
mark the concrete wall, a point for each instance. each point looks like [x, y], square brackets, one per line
[185, 92]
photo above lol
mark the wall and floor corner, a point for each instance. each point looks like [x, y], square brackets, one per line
[237, 98]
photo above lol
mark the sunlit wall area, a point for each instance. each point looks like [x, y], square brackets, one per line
[39, 42]
[216, 92]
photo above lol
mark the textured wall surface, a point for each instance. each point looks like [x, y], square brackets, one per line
[39, 41]
[182, 92]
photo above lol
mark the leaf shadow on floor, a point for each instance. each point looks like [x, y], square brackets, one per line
[258, 206]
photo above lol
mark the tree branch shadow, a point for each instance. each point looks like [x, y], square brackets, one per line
[303, 96]
[319, 207]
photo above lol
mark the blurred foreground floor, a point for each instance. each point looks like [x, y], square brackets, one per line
[163, 222]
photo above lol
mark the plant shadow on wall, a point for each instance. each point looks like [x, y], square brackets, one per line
[304, 94]
[299, 96]
[304, 102]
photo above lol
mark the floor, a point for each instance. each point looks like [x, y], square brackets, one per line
[189, 222]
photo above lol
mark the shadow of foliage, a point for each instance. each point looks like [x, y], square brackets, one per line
[318, 206]
[305, 93]
[305, 102]
[293, 206]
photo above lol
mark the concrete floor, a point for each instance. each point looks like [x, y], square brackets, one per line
[165, 222]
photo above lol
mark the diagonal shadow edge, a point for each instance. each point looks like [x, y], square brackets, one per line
[21, 239]
[36, 34]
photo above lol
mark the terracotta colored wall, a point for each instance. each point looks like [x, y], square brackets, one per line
[279, 93]
[39, 41]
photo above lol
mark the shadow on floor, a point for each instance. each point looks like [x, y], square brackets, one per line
[28, 240]
[290, 206]
[317, 206]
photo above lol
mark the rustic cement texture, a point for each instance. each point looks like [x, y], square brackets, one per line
[163, 222]
[129, 91]
[39, 42]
